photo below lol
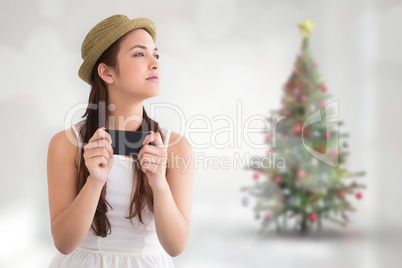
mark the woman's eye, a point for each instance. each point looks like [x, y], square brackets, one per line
[142, 54]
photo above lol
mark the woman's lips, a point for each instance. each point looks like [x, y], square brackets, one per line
[153, 79]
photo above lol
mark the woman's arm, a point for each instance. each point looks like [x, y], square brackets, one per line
[172, 204]
[71, 213]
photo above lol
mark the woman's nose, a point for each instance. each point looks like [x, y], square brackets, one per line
[154, 63]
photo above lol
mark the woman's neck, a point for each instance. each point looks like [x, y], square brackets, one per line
[125, 111]
[128, 118]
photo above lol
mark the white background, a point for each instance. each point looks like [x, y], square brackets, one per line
[214, 54]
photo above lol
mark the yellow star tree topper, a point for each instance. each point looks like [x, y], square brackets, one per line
[306, 27]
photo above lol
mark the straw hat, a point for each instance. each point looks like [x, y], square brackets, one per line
[103, 35]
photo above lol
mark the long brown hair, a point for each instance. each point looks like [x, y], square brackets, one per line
[143, 195]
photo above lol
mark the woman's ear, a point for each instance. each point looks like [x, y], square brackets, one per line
[106, 73]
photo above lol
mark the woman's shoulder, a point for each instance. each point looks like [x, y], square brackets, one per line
[178, 144]
[64, 145]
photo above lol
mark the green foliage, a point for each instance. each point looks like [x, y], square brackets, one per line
[308, 189]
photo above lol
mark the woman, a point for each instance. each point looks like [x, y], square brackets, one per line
[119, 211]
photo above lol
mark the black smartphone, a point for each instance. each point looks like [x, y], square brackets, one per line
[127, 143]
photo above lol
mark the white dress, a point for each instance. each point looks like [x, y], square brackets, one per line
[130, 244]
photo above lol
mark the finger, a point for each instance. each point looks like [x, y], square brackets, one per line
[148, 149]
[96, 144]
[100, 144]
[150, 159]
[97, 161]
[97, 152]
[101, 160]
[155, 138]
[96, 136]
[89, 155]
[99, 134]
[105, 135]
[149, 167]
[158, 140]
[146, 139]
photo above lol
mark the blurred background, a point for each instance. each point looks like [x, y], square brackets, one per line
[218, 58]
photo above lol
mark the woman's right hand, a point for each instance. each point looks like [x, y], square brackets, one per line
[98, 155]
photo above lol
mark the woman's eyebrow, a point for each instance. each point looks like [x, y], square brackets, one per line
[143, 47]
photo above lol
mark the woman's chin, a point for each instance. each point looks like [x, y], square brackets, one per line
[147, 92]
[152, 93]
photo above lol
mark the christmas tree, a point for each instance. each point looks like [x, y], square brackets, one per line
[312, 185]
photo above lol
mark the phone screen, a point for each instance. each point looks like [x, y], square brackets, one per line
[127, 143]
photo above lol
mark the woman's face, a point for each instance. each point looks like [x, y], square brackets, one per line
[137, 62]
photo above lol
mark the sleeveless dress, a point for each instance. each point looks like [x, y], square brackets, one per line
[133, 245]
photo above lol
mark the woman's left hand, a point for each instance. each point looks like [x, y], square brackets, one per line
[153, 160]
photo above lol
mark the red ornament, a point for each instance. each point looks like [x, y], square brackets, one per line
[295, 71]
[286, 112]
[267, 216]
[327, 135]
[256, 176]
[268, 137]
[324, 88]
[278, 179]
[298, 128]
[335, 152]
[341, 193]
[313, 217]
[323, 104]
[303, 98]
[301, 173]
[315, 63]
[359, 195]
